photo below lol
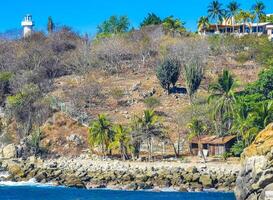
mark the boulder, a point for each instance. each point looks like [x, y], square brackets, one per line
[74, 139]
[73, 181]
[256, 175]
[136, 86]
[267, 188]
[192, 170]
[253, 196]
[41, 177]
[206, 181]
[197, 187]
[182, 188]
[132, 186]
[195, 177]
[15, 169]
[9, 151]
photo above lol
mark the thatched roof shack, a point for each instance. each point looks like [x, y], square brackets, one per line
[214, 144]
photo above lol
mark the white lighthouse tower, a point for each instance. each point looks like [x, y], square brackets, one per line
[27, 25]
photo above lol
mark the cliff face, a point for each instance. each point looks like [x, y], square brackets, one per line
[262, 144]
[256, 175]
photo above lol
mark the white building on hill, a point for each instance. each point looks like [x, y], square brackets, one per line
[229, 26]
[27, 25]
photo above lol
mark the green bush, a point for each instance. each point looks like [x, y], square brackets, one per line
[34, 141]
[262, 89]
[242, 57]
[168, 73]
[152, 102]
[237, 149]
[5, 78]
[226, 155]
[117, 93]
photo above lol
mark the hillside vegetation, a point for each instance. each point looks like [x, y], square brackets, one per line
[149, 88]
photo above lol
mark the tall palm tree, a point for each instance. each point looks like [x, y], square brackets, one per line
[232, 9]
[264, 113]
[122, 141]
[148, 128]
[100, 133]
[172, 25]
[222, 95]
[244, 16]
[216, 12]
[244, 122]
[203, 24]
[258, 10]
[252, 17]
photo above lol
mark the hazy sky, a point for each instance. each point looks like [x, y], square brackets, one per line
[85, 15]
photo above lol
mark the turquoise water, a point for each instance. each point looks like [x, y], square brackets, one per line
[62, 193]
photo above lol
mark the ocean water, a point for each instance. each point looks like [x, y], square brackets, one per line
[37, 192]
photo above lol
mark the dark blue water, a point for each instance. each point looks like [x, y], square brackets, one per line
[61, 193]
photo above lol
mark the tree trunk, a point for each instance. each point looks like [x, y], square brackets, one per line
[168, 88]
[200, 149]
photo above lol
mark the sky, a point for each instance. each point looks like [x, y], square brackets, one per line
[84, 15]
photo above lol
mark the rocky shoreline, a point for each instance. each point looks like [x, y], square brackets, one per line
[83, 172]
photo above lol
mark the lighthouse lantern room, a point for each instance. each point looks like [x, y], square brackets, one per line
[27, 25]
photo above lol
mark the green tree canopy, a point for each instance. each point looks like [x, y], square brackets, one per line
[216, 12]
[168, 73]
[114, 25]
[262, 89]
[145, 128]
[100, 133]
[151, 19]
[222, 96]
[5, 78]
[203, 23]
[122, 140]
[259, 10]
[172, 25]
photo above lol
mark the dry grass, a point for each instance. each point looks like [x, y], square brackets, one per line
[171, 105]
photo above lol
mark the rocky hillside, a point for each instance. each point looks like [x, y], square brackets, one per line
[256, 175]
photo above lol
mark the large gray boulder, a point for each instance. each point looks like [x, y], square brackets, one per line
[9, 151]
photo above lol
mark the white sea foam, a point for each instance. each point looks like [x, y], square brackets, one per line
[31, 182]
[4, 174]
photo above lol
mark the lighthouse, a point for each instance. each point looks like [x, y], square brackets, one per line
[27, 25]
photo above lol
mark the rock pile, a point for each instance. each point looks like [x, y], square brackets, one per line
[87, 173]
[256, 175]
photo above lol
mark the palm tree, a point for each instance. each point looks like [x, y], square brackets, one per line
[172, 25]
[100, 133]
[232, 9]
[244, 16]
[146, 128]
[250, 119]
[222, 95]
[252, 17]
[215, 12]
[258, 10]
[197, 129]
[203, 24]
[122, 141]
[151, 129]
[244, 123]
[264, 113]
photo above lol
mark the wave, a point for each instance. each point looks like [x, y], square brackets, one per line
[31, 182]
